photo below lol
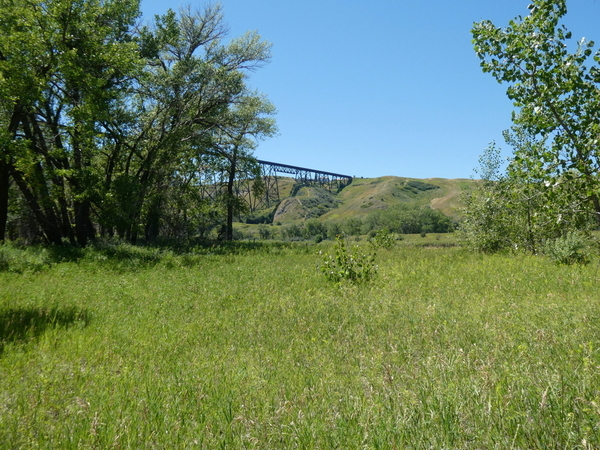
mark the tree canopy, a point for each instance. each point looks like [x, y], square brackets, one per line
[554, 84]
[105, 127]
[551, 185]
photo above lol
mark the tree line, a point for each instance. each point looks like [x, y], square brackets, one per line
[108, 127]
[400, 219]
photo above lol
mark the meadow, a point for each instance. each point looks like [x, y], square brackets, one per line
[252, 347]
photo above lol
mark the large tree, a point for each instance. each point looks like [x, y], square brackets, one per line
[554, 85]
[191, 83]
[233, 142]
[63, 66]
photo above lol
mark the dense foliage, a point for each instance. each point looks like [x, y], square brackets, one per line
[401, 218]
[113, 129]
[507, 210]
[552, 184]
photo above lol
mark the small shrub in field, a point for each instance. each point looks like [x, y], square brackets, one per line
[264, 232]
[383, 239]
[568, 249]
[355, 266]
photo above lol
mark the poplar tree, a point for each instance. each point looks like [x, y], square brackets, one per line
[554, 84]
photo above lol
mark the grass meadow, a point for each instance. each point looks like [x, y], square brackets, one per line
[254, 348]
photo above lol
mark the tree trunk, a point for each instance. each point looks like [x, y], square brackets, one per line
[230, 202]
[84, 229]
[152, 228]
[4, 186]
[5, 172]
[48, 223]
[596, 203]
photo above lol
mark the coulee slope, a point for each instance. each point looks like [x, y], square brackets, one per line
[367, 194]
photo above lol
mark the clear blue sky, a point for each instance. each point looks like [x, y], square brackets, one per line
[380, 87]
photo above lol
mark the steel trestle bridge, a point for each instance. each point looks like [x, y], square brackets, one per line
[268, 195]
[308, 177]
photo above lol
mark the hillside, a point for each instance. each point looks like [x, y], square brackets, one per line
[367, 194]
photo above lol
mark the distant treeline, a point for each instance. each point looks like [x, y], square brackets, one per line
[402, 219]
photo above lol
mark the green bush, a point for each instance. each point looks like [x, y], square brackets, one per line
[19, 260]
[570, 248]
[355, 266]
[382, 238]
[313, 228]
[333, 230]
[291, 232]
[265, 232]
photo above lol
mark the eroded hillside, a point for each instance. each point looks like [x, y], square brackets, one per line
[365, 195]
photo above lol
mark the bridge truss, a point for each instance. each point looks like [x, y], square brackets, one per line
[302, 175]
[265, 194]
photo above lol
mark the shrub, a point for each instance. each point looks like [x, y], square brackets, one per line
[313, 228]
[264, 232]
[333, 230]
[291, 232]
[354, 266]
[19, 260]
[382, 238]
[570, 248]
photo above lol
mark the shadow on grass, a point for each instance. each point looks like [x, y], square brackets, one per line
[65, 253]
[120, 256]
[21, 325]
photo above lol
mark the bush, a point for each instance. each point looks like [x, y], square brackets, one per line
[19, 260]
[382, 238]
[333, 230]
[568, 249]
[265, 232]
[291, 232]
[355, 266]
[313, 228]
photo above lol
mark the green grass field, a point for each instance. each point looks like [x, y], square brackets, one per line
[253, 348]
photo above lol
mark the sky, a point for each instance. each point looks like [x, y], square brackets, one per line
[380, 87]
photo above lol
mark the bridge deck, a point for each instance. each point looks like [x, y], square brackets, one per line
[284, 168]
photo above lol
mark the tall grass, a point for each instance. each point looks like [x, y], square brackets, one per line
[255, 349]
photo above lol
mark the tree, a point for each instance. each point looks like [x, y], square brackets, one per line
[509, 209]
[192, 90]
[62, 68]
[491, 218]
[558, 99]
[247, 121]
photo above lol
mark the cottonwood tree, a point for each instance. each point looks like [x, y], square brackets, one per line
[184, 96]
[507, 208]
[62, 66]
[555, 88]
[247, 121]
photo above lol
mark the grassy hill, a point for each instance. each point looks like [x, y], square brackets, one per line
[365, 195]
